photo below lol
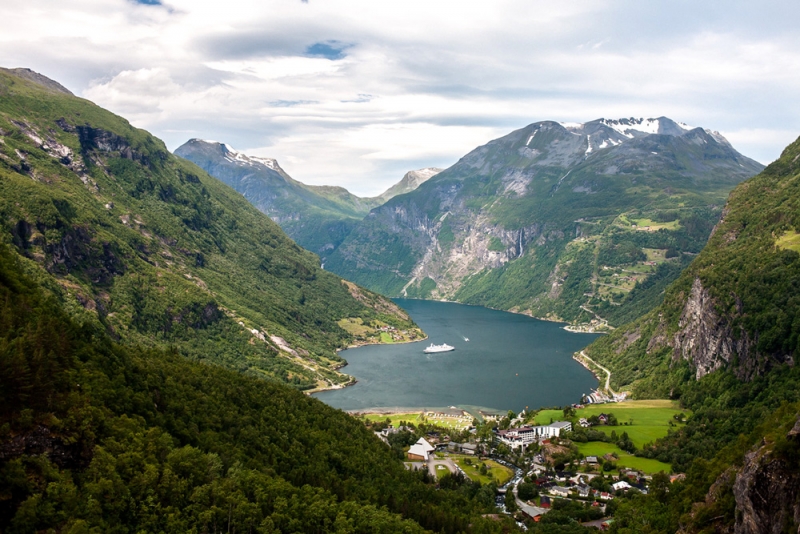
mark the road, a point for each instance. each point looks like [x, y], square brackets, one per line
[607, 372]
[447, 462]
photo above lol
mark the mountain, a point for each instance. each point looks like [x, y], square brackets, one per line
[410, 181]
[318, 218]
[724, 342]
[579, 222]
[160, 254]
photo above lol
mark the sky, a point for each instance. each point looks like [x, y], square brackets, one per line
[357, 92]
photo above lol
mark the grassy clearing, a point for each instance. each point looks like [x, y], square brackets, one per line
[386, 338]
[496, 473]
[544, 417]
[646, 465]
[789, 240]
[394, 418]
[648, 420]
[655, 254]
[355, 326]
[652, 226]
[441, 470]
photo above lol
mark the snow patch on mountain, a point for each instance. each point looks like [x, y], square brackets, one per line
[234, 156]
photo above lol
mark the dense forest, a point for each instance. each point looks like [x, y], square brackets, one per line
[101, 437]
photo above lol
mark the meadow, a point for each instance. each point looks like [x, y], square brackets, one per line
[645, 421]
[645, 465]
[499, 474]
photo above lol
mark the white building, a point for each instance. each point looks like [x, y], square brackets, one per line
[525, 435]
[420, 450]
[621, 485]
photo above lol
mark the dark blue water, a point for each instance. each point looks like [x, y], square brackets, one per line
[510, 361]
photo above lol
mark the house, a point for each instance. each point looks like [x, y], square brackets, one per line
[592, 460]
[469, 448]
[560, 491]
[584, 423]
[583, 490]
[621, 485]
[420, 450]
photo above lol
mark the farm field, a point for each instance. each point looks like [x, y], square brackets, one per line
[646, 465]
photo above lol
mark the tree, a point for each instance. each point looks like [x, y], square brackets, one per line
[527, 491]
[511, 502]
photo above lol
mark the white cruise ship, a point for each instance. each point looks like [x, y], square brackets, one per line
[444, 347]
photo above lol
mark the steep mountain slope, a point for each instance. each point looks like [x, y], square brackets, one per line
[318, 218]
[725, 342]
[736, 306]
[161, 254]
[96, 436]
[558, 221]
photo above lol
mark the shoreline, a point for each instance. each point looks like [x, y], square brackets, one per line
[353, 381]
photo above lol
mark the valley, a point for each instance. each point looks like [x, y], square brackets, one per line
[161, 336]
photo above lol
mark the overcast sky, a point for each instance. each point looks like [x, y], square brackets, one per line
[355, 93]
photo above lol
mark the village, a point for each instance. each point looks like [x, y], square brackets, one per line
[574, 461]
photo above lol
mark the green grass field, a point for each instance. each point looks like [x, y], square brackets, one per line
[394, 418]
[649, 419]
[386, 337]
[654, 225]
[646, 465]
[544, 416]
[497, 473]
[441, 470]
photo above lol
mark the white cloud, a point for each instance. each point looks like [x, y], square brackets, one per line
[442, 77]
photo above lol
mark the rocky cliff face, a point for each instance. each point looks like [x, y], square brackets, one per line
[704, 337]
[767, 491]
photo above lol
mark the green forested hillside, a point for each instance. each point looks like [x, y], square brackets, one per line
[159, 253]
[724, 343]
[738, 303]
[96, 436]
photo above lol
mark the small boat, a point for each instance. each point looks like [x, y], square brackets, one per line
[466, 339]
[444, 347]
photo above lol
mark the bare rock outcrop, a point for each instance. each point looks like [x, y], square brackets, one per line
[705, 337]
[766, 492]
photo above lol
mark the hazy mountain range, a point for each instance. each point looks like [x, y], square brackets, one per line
[317, 217]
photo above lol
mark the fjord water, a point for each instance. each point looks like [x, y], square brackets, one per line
[510, 361]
